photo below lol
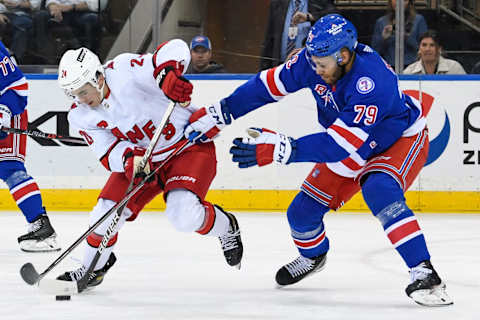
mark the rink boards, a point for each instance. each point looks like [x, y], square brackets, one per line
[70, 177]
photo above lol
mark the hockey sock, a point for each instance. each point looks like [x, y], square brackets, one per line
[187, 213]
[23, 189]
[305, 216]
[94, 241]
[385, 198]
[95, 238]
[215, 222]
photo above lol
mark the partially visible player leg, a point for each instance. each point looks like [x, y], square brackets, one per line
[187, 179]
[305, 216]
[385, 199]
[188, 214]
[41, 237]
[112, 192]
[107, 258]
[322, 190]
[384, 180]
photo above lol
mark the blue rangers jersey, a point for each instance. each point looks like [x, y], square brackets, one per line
[13, 84]
[364, 113]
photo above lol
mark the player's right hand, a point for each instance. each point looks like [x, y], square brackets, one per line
[206, 123]
[131, 164]
[5, 120]
[175, 86]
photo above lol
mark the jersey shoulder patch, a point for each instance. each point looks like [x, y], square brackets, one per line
[365, 85]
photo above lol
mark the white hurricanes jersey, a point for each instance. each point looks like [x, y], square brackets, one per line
[133, 109]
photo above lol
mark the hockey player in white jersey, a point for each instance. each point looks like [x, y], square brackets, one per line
[117, 108]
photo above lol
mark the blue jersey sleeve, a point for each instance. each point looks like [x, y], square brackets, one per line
[13, 84]
[365, 102]
[269, 86]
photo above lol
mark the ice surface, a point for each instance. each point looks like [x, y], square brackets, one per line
[165, 274]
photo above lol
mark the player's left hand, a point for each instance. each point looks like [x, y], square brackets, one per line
[262, 147]
[5, 120]
[131, 164]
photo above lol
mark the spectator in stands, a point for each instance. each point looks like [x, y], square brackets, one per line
[201, 53]
[82, 16]
[288, 25]
[383, 38]
[476, 68]
[430, 59]
[16, 20]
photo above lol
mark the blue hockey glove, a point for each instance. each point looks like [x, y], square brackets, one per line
[263, 147]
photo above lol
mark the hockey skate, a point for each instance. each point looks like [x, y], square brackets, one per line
[231, 241]
[40, 237]
[299, 268]
[427, 289]
[97, 275]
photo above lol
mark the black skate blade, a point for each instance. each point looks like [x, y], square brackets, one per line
[29, 274]
[58, 287]
[238, 266]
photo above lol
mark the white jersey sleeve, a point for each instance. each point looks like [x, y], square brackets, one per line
[106, 146]
[174, 52]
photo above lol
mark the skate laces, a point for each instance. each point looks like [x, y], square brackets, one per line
[35, 226]
[419, 272]
[300, 266]
[78, 274]
[229, 240]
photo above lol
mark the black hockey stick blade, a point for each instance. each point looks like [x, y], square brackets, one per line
[51, 286]
[29, 274]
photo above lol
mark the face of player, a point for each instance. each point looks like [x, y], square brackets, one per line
[327, 68]
[88, 94]
[428, 50]
[200, 57]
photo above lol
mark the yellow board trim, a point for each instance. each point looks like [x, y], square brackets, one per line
[257, 200]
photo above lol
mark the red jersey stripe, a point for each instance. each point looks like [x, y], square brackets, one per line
[25, 190]
[347, 135]
[271, 82]
[310, 243]
[403, 231]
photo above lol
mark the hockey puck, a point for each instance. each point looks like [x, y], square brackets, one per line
[62, 298]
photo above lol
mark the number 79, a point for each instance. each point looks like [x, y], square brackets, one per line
[369, 112]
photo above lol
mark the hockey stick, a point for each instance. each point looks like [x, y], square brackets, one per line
[28, 272]
[40, 134]
[31, 276]
[83, 282]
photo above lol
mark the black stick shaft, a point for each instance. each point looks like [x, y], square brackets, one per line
[109, 212]
[39, 134]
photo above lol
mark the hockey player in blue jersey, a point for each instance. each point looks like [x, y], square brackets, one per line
[13, 100]
[375, 140]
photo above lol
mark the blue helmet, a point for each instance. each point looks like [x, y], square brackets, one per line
[329, 35]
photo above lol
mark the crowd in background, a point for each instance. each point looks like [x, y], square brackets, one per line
[422, 47]
[39, 31]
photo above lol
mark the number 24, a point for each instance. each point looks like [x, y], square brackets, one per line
[369, 112]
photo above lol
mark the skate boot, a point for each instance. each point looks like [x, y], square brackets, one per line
[427, 289]
[299, 268]
[40, 237]
[231, 241]
[97, 276]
